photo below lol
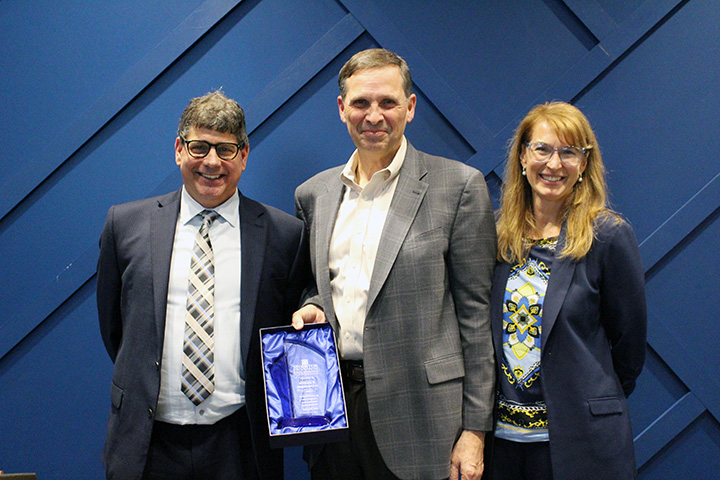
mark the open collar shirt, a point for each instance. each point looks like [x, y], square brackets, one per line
[353, 247]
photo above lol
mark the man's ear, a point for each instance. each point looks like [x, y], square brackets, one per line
[412, 101]
[341, 108]
[243, 154]
[178, 150]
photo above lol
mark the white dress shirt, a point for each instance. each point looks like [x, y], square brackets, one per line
[354, 245]
[229, 395]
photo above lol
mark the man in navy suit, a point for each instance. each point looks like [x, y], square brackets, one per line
[156, 430]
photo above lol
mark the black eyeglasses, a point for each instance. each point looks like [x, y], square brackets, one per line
[200, 149]
[569, 155]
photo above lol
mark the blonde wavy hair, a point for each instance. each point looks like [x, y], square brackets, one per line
[586, 204]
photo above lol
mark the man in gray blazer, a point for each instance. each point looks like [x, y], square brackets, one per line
[162, 423]
[402, 247]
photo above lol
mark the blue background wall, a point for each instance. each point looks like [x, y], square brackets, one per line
[91, 93]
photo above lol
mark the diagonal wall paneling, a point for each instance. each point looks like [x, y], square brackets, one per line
[92, 94]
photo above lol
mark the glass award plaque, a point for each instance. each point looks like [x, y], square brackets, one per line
[303, 387]
[307, 382]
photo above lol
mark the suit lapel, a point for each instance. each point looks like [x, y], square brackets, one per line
[563, 270]
[253, 234]
[327, 210]
[561, 275]
[409, 192]
[162, 226]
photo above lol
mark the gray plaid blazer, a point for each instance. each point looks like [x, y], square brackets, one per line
[428, 354]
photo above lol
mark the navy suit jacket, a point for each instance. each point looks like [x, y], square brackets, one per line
[593, 349]
[132, 287]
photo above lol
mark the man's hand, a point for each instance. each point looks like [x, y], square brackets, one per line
[467, 456]
[308, 314]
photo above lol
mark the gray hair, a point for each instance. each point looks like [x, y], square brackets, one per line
[217, 112]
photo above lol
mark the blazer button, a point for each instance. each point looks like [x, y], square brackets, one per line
[157, 365]
[150, 412]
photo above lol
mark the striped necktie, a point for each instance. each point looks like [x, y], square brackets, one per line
[198, 374]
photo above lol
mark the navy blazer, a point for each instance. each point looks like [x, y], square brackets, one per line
[132, 287]
[593, 349]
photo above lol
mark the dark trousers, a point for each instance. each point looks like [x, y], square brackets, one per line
[520, 461]
[202, 452]
[359, 458]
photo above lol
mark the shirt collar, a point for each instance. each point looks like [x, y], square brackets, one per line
[229, 210]
[348, 176]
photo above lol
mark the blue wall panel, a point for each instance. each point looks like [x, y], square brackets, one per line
[659, 383]
[59, 57]
[680, 292]
[54, 395]
[92, 92]
[647, 109]
[464, 41]
[617, 10]
[695, 454]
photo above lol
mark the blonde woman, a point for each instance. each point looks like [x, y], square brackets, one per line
[568, 309]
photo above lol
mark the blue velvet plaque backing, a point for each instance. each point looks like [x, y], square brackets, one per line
[303, 388]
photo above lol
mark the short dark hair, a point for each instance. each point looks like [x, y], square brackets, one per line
[217, 112]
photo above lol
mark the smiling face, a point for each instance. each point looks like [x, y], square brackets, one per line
[210, 181]
[376, 110]
[551, 182]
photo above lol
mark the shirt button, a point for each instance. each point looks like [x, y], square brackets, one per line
[202, 412]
